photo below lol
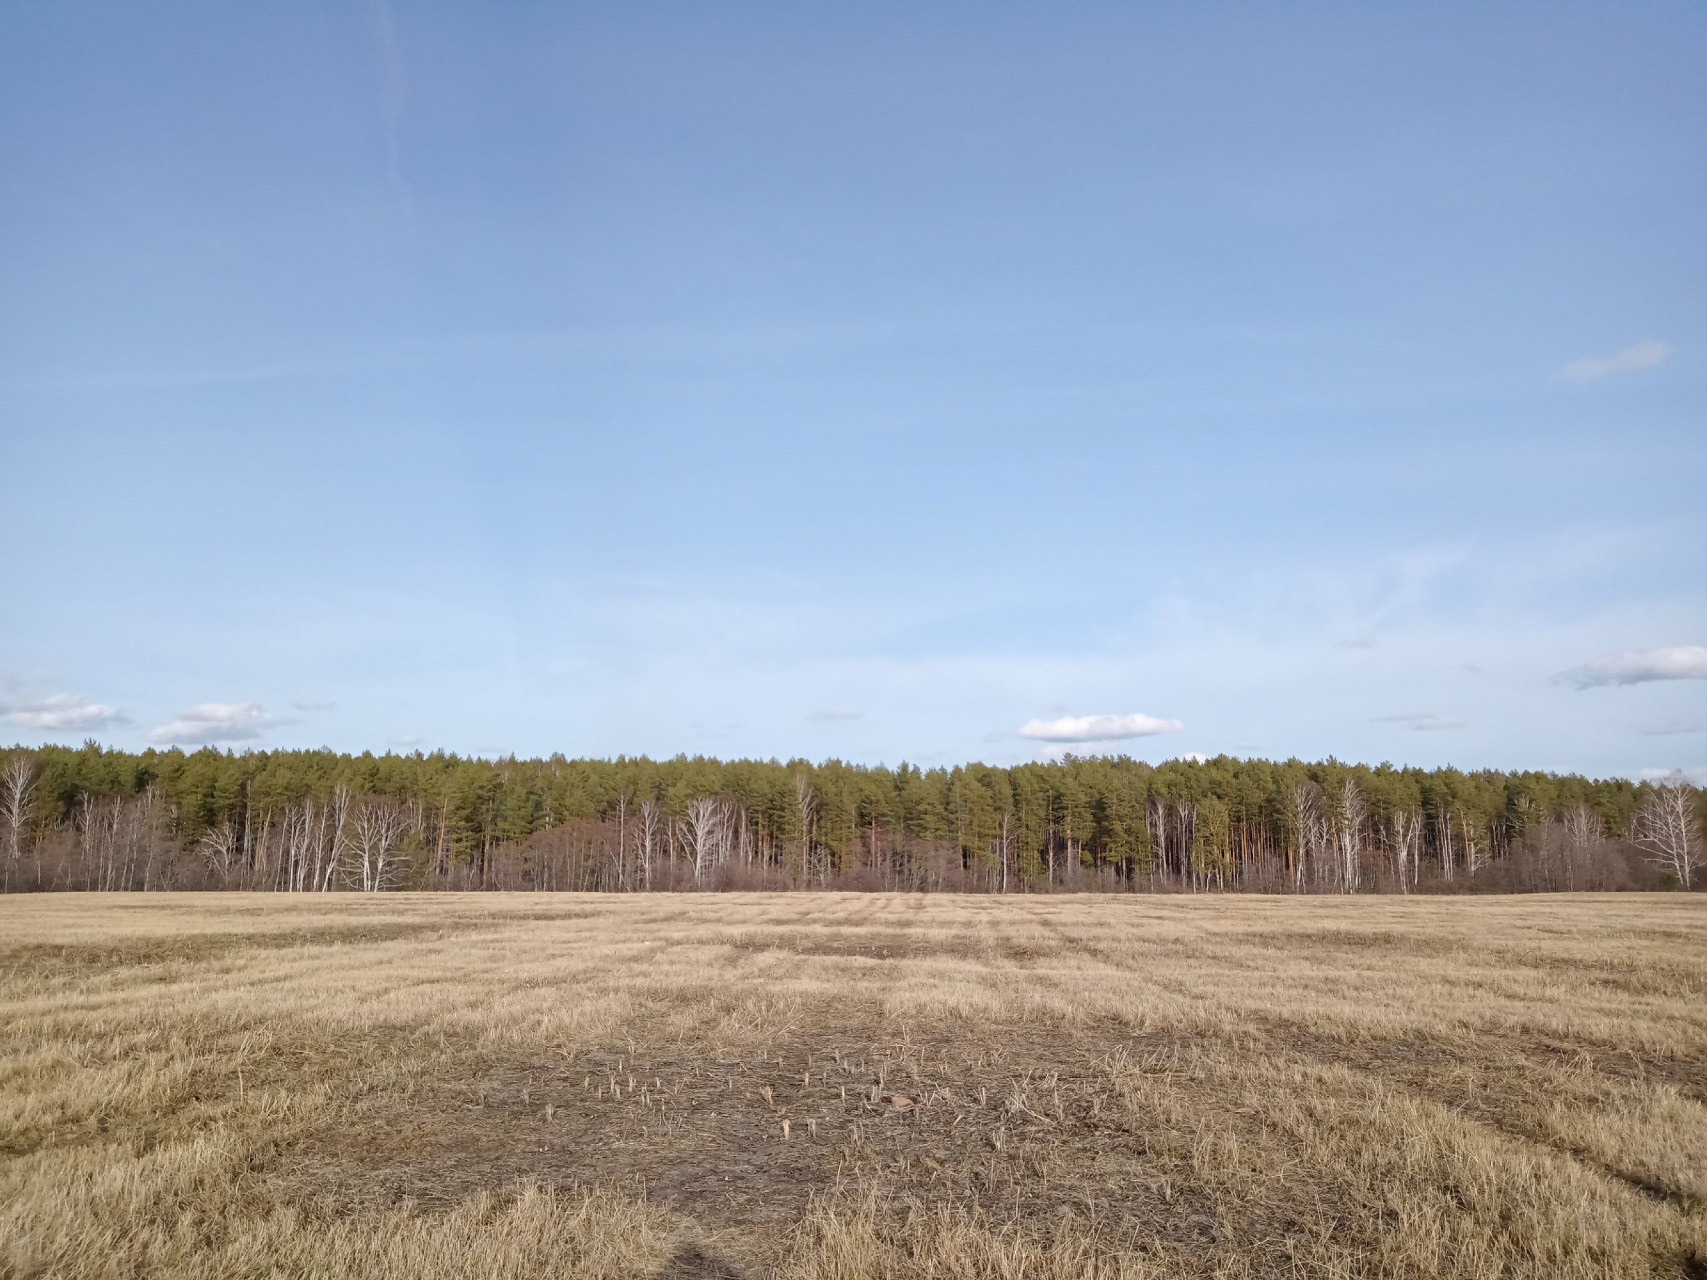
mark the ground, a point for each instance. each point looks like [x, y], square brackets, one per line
[840, 1086]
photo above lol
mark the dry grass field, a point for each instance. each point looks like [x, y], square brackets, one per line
[840, 1087]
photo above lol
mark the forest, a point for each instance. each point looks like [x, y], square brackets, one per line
[91, 818]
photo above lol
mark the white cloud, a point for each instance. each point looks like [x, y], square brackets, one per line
[314, 704]
[832, 715]
[1680, 662]
[1422, 723]
[216, 722]
[65, 711]
[1097, 728]
[1644, 355]
[1196, 757]
[1695, 777]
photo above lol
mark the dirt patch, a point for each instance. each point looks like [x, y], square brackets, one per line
[1027, 1127]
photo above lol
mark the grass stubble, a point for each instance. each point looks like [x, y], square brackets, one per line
[841, 1087]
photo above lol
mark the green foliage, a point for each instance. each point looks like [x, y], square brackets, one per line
[1093, 810]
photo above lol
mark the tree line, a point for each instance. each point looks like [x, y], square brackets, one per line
[316, 821]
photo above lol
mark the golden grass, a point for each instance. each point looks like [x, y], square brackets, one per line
[446, 1086]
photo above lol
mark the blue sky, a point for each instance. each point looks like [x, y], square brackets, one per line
[862, 380]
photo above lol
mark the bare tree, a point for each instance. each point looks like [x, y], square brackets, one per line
[737, 834]
[1186, 814]
[1582, 826]
[1474, 846]
[1567, 848]
[651, 836]
[442, 843]
[703, 834]
[329, 845]
[622, 839]
[1443, 840]
[311, 837]
[1353, 815]
[218, 846]
[297, 838]
[1303, 808]
[1404, 839]
[17, 789]
[377, 828]
[1667, 829]
[133, 840]
[806, 807]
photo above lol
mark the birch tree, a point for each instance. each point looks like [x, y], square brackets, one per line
[330, 844]
[1474, 846]
[737, 841]
[1303, 809]
[806, 810]
[651, 837]
[1354, 813]
[17, 789]
[1404, 840]
[376, 829]
[1666, 828]
[218, 846]
[1582, 826]
[701, 832]
[622, 840]
[1443, 840]
[296, 833]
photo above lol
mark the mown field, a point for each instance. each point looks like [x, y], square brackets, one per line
[834, 1087]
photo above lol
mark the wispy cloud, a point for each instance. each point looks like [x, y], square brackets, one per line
[394, 88]
[1644, 355]
[1421, 722]
[1673, 727]
[314, 704]
[1097, 728]
[65, 711]
[217, 722]
[1680, 662]
[832, 715]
